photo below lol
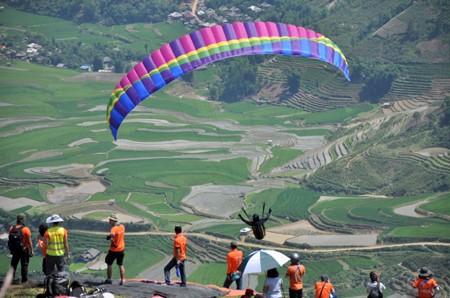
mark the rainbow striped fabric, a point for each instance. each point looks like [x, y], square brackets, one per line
[207, 45]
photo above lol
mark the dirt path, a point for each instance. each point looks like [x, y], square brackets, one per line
[263, 246]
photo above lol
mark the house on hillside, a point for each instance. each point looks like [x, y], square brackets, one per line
[90, 254]
[85, 68]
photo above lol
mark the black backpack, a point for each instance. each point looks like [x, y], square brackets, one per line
[375, 292]
[76, 289]
[56, 284]
[15, 244]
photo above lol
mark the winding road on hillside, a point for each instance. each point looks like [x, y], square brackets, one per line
[265, 246]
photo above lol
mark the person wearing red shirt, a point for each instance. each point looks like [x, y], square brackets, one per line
[295, 273]
[426, 286]
[25, 252]
[234, 259]
[179, 257]
[117, 248]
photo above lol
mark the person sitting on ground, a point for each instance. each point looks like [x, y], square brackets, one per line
[425, 284]
[273, 285]
[324, 288]
[375, 288]
[257, 224]
[40, 239]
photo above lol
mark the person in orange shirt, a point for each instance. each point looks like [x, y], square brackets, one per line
[324, 288]
[295, 273]
[179, 257]
[426, 285]
[25, 251]
[234, 259]
[40, 240]
[117, 248]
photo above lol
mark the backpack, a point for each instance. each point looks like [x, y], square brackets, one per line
[15, 243]
[56, 284]
[375, 292]
[76, 289]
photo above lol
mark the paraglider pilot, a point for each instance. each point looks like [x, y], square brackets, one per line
[257, 223]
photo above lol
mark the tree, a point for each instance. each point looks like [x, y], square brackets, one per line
[379, 76]
[97, 63]
[118, 66]
[445, 118]
[293, 81]
[239, 79]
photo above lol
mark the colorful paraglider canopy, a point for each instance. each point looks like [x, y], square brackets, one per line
[207, 45]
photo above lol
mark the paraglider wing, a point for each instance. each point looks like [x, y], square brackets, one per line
[207, 45]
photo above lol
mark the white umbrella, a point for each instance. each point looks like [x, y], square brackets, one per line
[262, 260]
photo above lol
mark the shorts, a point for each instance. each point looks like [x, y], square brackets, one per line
[115, 255]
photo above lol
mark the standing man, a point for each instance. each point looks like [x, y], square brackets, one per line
[234, 259]
[21, 246]
[56, 244]
[179, 257]
[116, 250]
[295, 273]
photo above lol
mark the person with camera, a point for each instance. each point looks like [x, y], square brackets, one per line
[234, 259]
[117, 248]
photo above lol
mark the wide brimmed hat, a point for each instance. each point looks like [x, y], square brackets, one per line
[54, 218]
[113, 217]
[425, 272]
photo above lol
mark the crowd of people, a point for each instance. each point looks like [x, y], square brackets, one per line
[53, 241]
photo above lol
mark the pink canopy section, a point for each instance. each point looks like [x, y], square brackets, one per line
[207, 45]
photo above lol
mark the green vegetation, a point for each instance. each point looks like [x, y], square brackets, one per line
[280, 156]
[54, 135]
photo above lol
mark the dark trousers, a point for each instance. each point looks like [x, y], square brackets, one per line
[227, 283]
[54, 264]
[24, 260]
[172, 263]
[295, 293]
[44, 265]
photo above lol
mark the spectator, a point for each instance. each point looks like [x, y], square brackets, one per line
[324, 288]
[375, 288]
[179, 257]
[273, 286]
[425, 284]
[234, 259]
[40, 239]
[248, 293]
[57, 245]
[20, 246]
[117, 248]
[295, 273]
